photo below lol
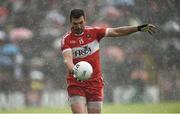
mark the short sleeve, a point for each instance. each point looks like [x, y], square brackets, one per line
[65, 45]
[100, 33]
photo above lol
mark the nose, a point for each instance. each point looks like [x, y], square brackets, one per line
[79, 26]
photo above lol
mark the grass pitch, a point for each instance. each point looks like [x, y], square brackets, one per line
[168, 108]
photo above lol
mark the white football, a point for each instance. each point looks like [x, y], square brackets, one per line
[83, 70]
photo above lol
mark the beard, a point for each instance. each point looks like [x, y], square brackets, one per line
[78, 30]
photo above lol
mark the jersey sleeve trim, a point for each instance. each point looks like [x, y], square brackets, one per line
[65, 50]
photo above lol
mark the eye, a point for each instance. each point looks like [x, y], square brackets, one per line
[81, 22]
[75, 23]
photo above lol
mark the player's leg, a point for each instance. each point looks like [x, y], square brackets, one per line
[77, 99]
[94, 107]
[78, 104]
[94, 100]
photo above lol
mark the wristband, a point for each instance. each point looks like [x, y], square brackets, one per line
[141, 26]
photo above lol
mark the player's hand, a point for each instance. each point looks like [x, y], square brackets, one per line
[77, 78]
[74, 69]
[150, 28]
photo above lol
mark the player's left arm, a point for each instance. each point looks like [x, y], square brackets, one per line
[126, 30]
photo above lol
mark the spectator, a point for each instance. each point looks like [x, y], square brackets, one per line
[8, 53]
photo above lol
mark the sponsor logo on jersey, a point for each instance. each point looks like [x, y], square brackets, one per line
[85, 50]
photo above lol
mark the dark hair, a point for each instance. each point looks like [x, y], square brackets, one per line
[76, 13]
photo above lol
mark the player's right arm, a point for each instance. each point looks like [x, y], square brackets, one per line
[67, 53]
[68, 60]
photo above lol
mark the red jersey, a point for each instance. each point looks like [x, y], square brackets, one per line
[85, 47]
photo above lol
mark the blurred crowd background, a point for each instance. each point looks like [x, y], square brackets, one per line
[31, 61]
